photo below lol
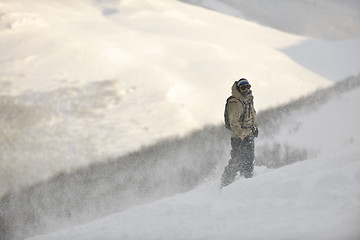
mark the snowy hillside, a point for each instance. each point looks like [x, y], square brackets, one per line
[179, 165]
[85, 80]
[325, 19]
[107, 104]
[313, 199]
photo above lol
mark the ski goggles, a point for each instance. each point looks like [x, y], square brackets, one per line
[245, 87]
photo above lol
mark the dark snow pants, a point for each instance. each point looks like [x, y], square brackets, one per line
[242, 160]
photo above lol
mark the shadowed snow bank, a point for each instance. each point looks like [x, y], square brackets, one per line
[327, 19]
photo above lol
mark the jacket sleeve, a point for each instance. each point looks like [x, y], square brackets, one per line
[235, 110]
[255, 119]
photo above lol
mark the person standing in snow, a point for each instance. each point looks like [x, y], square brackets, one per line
[240, 119]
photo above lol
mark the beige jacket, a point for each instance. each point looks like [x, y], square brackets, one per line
[236, 107]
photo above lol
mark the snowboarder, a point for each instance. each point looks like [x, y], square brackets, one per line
[240, 119]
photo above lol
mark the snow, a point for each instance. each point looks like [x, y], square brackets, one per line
[98, 73]
[304, 200]
[318, 55]
[324, 19]
[334, 126]
[84, 81]
[314, 199]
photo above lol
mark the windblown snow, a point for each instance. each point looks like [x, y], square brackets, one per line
[82, 82]
[314, 199]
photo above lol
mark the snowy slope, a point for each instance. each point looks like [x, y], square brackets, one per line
[85, 80]
[324, 19]
[332, 24]
[79, 79]
[314, 199]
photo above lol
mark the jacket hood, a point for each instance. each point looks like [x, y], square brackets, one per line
[235, 93]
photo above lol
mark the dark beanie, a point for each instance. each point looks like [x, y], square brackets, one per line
[243, 81]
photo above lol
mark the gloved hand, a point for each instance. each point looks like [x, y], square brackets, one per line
[255, 131]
